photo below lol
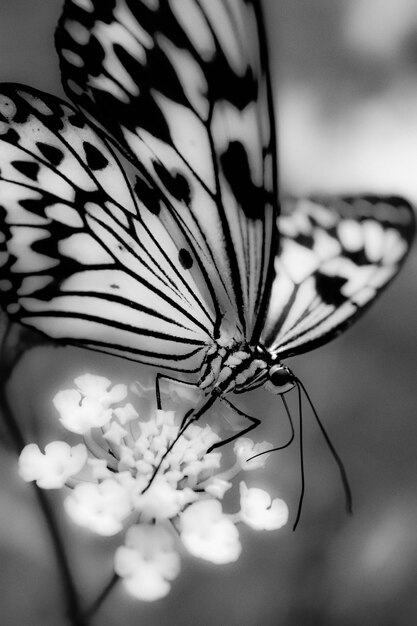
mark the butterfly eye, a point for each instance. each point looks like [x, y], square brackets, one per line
[281, 379]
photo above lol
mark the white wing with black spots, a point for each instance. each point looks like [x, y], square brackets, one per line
[182, 87]
[336, 256]
[81, 258]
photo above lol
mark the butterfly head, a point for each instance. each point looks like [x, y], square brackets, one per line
[280, 379]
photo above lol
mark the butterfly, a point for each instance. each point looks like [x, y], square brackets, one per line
[143, 221]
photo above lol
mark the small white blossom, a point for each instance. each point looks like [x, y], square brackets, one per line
[142, 468]
[126, 413]
[245, 448]
[217, 487]
[88, 406]
[78, 414]
[52, 469]
[162, 500]
[209, 534]
[147, 562]
[115, 433]
[102, 508]
[259, 511]
[99, 469]
[97, 388]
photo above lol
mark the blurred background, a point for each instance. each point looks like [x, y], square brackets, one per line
[345, 75]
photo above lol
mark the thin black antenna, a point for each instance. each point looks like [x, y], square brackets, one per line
[289, 442]
[339, 462]
[300, 424]
[284, 445]
[288, 412]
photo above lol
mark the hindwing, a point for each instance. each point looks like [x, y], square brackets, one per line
[336, 256]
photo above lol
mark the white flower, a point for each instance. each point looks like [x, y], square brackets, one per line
[147, 562]
[217, 487]
[96, 388]
[245, 448]
[115, 433]
[142, 468]
[126, 413]
[205, 439]
[52, 469]
[99, 469]
[259, 511]
[207, 533]
[100, 507]
[78, 414]
[88, 406]
[162, 501]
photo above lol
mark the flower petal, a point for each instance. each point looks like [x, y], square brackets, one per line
[245, 448]
[259, 511]
[100, 507]
[92, 386]
[78, 414]
[52, 469]
[147, 562]
[160, 501]
[208, 534]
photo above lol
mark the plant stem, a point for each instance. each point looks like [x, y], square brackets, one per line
[73, 608]
[93, 609]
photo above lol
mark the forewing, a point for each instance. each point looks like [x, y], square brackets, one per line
[81, 258]
[182, 87]
[336, 256]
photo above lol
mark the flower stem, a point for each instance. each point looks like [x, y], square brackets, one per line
[70, 592]
[94, 608]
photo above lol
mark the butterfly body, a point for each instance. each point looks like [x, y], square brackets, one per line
[240, 367]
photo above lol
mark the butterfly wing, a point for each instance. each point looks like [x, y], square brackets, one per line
[337, 255]
[82, 258]
[183, 90]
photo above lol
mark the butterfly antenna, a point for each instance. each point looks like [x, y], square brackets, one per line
[287, 443]
[288, 413]
[300, 424]
[339, 462]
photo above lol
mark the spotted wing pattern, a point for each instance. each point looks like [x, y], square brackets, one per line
[82, 258]
[181, 86]
[336, 256]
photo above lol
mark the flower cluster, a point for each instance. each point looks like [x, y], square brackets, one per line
[141, 473]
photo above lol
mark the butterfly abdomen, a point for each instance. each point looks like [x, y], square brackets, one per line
[237, 368]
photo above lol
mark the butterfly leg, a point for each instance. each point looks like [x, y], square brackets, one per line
[254, 421]
[159, 378]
